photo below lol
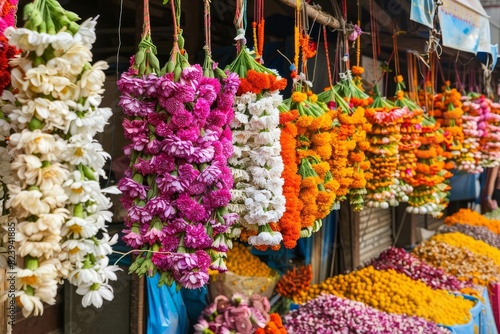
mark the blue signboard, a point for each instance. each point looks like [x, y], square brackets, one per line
[423, 11]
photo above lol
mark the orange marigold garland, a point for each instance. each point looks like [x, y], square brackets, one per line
[384, 138]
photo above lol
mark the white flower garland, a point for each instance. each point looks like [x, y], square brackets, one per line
[257, 166]
[57, 200]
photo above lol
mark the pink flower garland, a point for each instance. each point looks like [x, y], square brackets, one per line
[178, 184]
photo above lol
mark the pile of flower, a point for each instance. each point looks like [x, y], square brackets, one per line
[256, 164]
[477, 232]
[459, 261]
[178, 184]
[392, 292]
[478, 247]
[329, 314]
[273, 326]
[474, 218]
[448, 113]
[470, 156]
[430, 190]
[295, 281]
[57, 199]
[384, 137]
[313, 122]
[242, 262]
[405, 263]
[236, 315]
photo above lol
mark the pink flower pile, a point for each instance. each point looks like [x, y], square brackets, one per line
[178, 184]
[405, 263]
[330, 314]
[239, 314]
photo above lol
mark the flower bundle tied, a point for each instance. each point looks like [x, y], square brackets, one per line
[178, 184]
[57, 199]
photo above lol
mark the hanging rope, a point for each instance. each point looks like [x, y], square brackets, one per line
[358, 40]
[375, 41]
[207, 24]
[240, 24]
[146, 25]
[327, 56]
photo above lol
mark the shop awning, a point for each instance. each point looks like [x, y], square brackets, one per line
[464, 24]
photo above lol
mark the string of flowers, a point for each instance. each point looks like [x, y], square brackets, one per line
[470, 157]
[410, 132]
[57, 199]
[317, 187]
[384, 137]
[357, 159]
[178, 184]
[489, 123]
[257, 164]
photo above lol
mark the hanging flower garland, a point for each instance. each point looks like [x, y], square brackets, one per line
[57, 200]
[178, 184]
[470, 156]
[257, 164]
[489, 124]
[356, 158]
[384, 137]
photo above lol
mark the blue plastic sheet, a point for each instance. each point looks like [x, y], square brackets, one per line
[166, 310]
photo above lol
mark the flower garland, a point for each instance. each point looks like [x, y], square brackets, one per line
[470, 157]
[384, 137]
[257, 164]
[178, 184]
[489, 124]
[57, 200]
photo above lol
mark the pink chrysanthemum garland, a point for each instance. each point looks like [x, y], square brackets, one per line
[178, 184]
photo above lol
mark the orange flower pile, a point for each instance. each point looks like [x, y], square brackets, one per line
[426, 97]
[470, 217]
[295, 281]
[273, 326]
[448, 112]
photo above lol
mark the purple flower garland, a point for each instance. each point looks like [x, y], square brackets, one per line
[178, 184]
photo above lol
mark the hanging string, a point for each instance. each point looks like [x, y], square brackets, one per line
[374, 36]
[346, 40]
[358, 40]
[396, 53]
[146, 26]
[240, 23]
[327, 56]
[296, 31]
[207, 24]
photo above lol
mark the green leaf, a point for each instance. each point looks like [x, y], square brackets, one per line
[165, 2]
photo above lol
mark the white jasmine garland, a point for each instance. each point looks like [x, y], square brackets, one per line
[257, 166]
[56, 194]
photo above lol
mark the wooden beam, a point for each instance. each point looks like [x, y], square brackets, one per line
[318, 15]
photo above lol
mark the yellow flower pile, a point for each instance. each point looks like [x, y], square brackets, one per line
[241, 262]
[393, 292]
[479, 247]
[459, 261]
[474, 218]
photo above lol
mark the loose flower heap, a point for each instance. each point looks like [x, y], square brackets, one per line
[392, 292]
[479, 247]
[357, 159]
[448, 113]
[474, 218]
[178, 184]
[317, 186]
[429, 193]
[405, 263]
[256, 164]
[239, 314]
[57, 199]
[459, 261]
[295, 281]
[477, 232]
[384, 137]
[470, 156]
[242, 262]
[329, 314]
[273, 326]
[489, 123]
